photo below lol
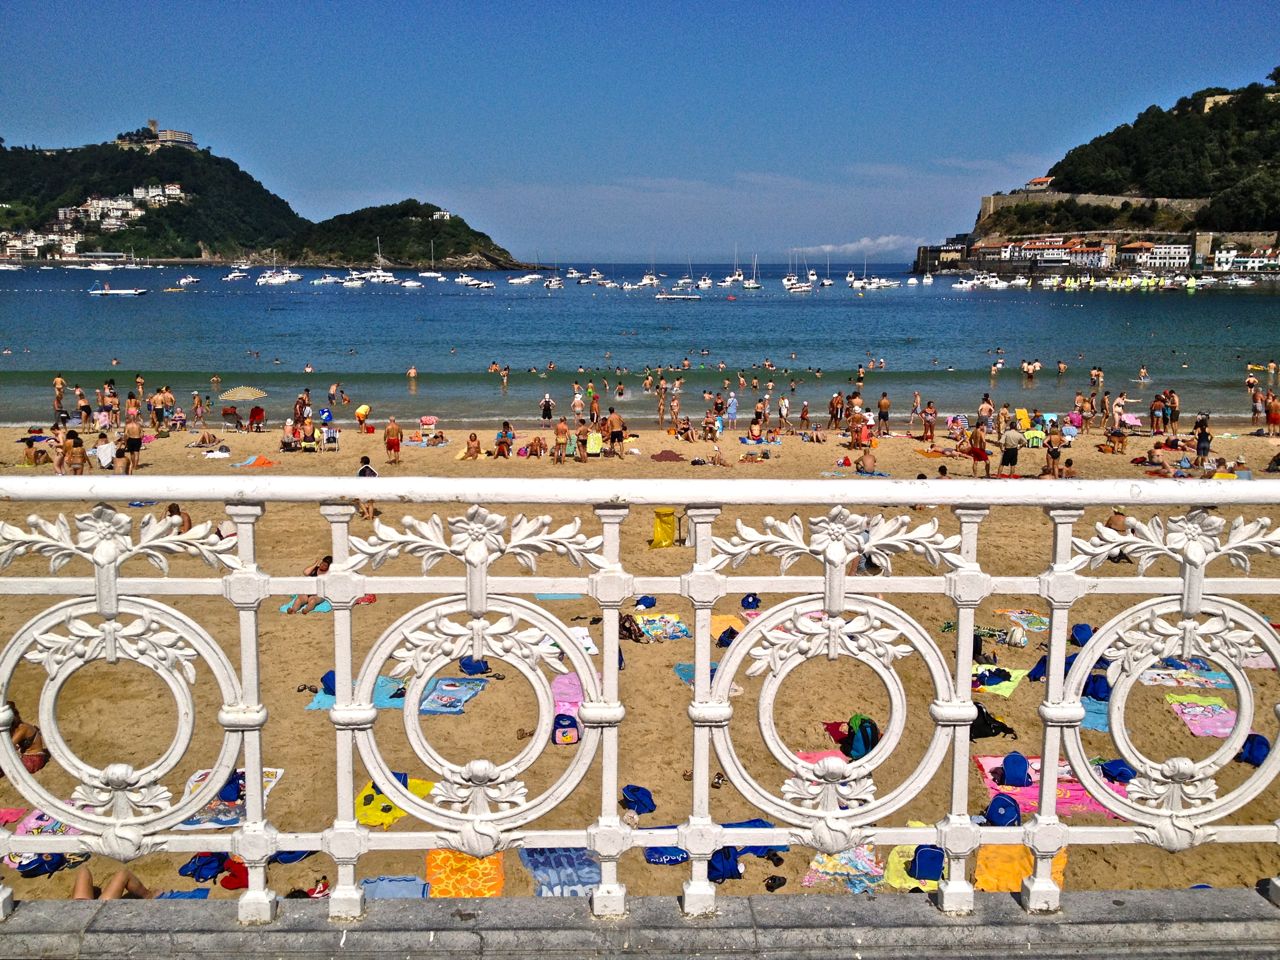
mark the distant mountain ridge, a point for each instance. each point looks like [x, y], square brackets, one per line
[225, 213]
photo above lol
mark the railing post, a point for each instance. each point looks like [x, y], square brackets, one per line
[246, 588]
[967, 588]
[700, 836]
[346, 840]
[609, 837]
[1045, 833]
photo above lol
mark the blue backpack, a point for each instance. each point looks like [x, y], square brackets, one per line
[727, 637]
[724, 865]
[926, 863]
[564, 730]
[472, 667]
[1117, 771]
[1003, 811]
[1081, 633]
[862, 737]
[1016, 772]
[1097, 687]
[1255, 750]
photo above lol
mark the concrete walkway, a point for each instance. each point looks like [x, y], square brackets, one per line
[1165, 924]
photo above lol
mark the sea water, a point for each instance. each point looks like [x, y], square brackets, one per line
[934, 339]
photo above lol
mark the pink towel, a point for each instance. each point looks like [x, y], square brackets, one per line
[1204, 716]
[1072, 796]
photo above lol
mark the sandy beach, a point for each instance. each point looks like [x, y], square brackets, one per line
[125, 714]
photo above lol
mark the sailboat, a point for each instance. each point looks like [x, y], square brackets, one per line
[432, 273]
[754, 282]
[827, 281]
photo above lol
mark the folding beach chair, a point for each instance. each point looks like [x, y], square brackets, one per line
[257, 419]
[231, 419]
[330, 439]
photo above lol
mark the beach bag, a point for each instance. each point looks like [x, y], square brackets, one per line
[327, 683]
[1117, 771]
[564, 730]
[1003, 811]
[862, 737]
[751, 601]
[629, 629]
[727, 637]
[1015, 771]
[926, 863]
[638, 799]
[1097, 687]
[472, 667]
[1255, 750]
[985, 724]
[724, 865]
[993, 678]
[1081, 633]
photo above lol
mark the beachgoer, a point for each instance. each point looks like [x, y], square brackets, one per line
[123, 885]
[305, 603]
[184, 518]
[882, 415]
[929, 417]
[1011, 441]
[617, 428]
[391, 436]
[561, 441]
[473, 448]
[365, 506]
[548, 405]
[504, 439]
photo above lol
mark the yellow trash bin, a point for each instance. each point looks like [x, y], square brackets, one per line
[664, 527]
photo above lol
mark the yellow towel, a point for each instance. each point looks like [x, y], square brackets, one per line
[720, 622]
[374, 809]
[1001, 868]
[895, 866]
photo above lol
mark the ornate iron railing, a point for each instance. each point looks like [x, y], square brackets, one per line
[480, 806]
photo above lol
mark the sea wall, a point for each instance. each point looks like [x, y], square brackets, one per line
[994, 202]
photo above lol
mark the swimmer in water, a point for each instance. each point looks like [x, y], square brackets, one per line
[412, 372]
[308, 369]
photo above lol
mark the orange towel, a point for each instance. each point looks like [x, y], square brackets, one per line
[454, 874]
[1001, 868]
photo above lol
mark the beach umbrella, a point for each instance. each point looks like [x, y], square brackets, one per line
[238, 394]
[1131, 420]
[961, 421]
[428, 421]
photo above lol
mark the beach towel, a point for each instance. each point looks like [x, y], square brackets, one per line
[685, 672]
[561, 871]
[217, 812]
[374, 809]
[580, 634]
[1096, 716]
[761, 442]
[1185, 678]
[857, 869]
[1004, 689]
[448, 695]
[595, 443]
[1029, 620]
[931, 454]
[12, 814]
[255, 461]
[395, 888]
[383, 689]
[37, 823]
[1261, 661]
[895, 867]
[1072, 796]
[720, 622]
[199, 893]
[1001, 868]
[998, 634]
[324, 606]
[566, 691]
[453, 874]
[664, 626]
[1204, 716]
[557, 596]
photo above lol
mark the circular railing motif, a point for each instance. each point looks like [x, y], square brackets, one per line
[479, 798]
[1173, 798]
[874, 633]
[69, 636]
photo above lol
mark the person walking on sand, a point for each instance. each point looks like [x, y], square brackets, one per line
[133, 443]
[617, 427]
[882, 415]
[561, 441]
[391, 435]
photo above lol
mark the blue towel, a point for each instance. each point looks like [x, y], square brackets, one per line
[382, 699]
[395, 888]
[685, 672]
[1095, 715]
[200, 893]
[562, 871]
[324, 606]
[669, 856]
[448, 695]
[557, 596]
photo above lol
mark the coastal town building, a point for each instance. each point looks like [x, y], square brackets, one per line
[1135, 255]
[156, 139]
[442, 215]
[101, 214]
[1038, 184]
[1169, 256]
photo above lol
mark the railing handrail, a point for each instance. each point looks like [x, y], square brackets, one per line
[643, 492]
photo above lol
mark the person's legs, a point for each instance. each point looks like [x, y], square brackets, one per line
[83, 889]
[123, 882]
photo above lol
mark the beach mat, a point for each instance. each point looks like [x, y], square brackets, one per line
[1030, 620]
[1213, 679]
[374, 809]
[557, 596]
[37, 823]
[452, 874]
[1096, 715]
[1204, 716]
[395, 888]
[1072, 796]
[664, 626]
[856, 869]
[382, 699]
[324, 606]
[561, 871]
[895, 867]
[1001, 868]
[448, 695]
[685, 672]
[218, 813]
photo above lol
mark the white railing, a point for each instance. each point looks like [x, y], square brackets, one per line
[481, 807]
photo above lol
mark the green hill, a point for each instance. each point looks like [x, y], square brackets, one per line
[229, 211]
[407, 231]
[1217, 143]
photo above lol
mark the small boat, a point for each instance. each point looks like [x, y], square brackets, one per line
[664, 295]
[10, 266]
[928, 280]
[554, 283]
[799, 287]
[175, 289]
[573, 273]
[411, 284]
[106, 291]
[462, 278]
[432, 274]
[484, 285]
[353, 282]
[237, 274]
[324, 281]
[188, 280]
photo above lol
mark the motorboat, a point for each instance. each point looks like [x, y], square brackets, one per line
[324, 281]
[676, 295]
[573, 273]
[484, 285]
[106, 291]
[650, 279]
[595, 276]
[238, 275]
[353, 282]
[463, 278]
[524, 281]
[411, 284]
[789, 281]
[553, 283]
[431, 274]
[912, 282]
[704, 282]
[378, 275]
[799, 287]
[10, 266]
[100, 266]
[188, 280]
[1019, 281]
[928, 280]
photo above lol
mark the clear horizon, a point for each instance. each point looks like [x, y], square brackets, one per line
[585, 133]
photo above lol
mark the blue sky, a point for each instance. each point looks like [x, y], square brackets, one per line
[583, 131]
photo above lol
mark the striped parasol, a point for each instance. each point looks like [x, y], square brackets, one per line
[959, 420]
[239, 394]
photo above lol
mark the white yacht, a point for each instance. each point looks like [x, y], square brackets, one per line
[10, 266]
[799, 287]
[463, 278]
[353, 282]
[553, 283]
[411, 284]
[432, 274]
[677, 295]
[105, 291]
[928, 280]
[704, 282]
[754, 282]
[188, 280]
[527, 279]
[100, 266]
[1019, 281]
[790, 280]
[650, 279]
[573, 273]
[735, 277]
[484, 285]
[595, 276]
[327, 279]
[236, 274]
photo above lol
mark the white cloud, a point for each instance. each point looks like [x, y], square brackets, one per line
[885, 243]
